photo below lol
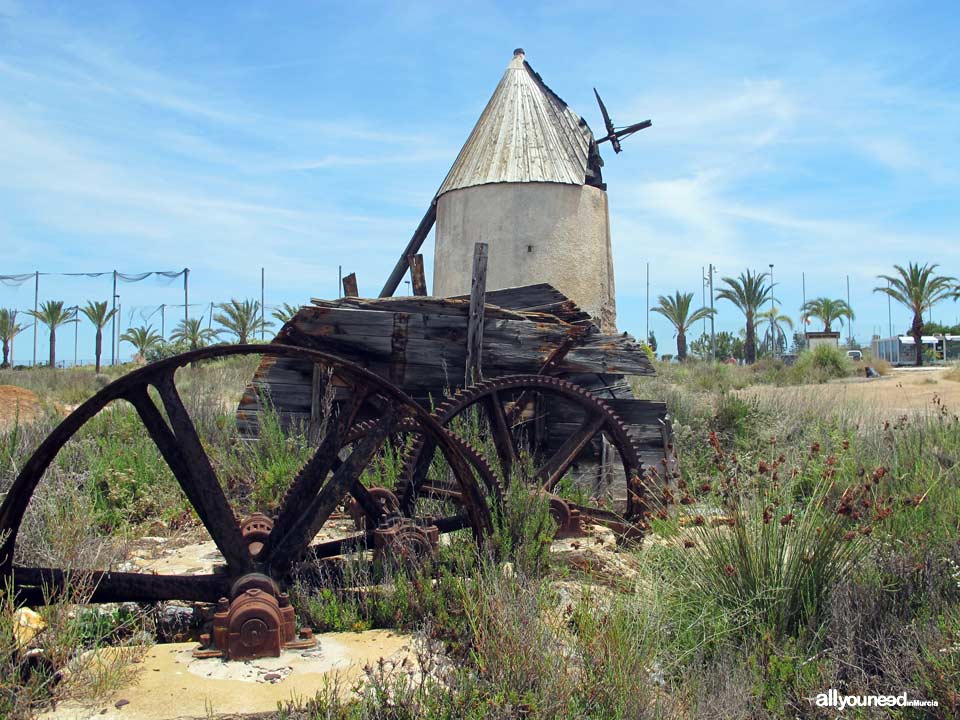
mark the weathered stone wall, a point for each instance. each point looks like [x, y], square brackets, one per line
[537, 232]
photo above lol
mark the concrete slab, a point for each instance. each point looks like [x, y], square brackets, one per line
[171, 683]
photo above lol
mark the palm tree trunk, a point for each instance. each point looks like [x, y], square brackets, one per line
[53, 347]
[6, 354]
[916, 331]
[99, 348]
[750, 343]
[681, 346]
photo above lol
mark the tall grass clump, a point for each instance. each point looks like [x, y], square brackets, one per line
[772, 563]
[69, 653]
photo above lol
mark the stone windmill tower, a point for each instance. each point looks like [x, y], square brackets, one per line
[528, 183]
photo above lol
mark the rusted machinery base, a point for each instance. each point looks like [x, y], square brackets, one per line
[256, 621]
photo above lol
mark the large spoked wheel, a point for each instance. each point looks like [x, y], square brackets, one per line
[552, 423]
[268, 546]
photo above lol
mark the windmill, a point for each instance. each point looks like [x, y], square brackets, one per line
[566, 128]
[613, 133]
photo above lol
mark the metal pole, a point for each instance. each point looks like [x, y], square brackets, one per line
[120, 313]
[889, 313]
[163, 321]
[773, 308]
[648, 302]
[76, 333]
[339, 280]
[36, 309]
[713, 335]
[263, 303]
[113, 323]
[703, 295]
[186, 296]
[210, 319]
[803, 315]
[849, 321]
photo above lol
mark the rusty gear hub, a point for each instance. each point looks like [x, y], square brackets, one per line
[257, 621]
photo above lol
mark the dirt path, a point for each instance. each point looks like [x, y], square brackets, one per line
[904, 390]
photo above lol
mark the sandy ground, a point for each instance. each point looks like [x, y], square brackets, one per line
[904, 390]
[171, 683]
[17, 402]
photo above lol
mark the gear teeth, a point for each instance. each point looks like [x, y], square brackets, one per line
[615, 428]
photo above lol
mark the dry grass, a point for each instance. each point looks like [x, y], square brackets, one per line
[721, 621]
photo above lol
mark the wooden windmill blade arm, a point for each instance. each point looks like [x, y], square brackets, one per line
[607, 122]
[413, 247]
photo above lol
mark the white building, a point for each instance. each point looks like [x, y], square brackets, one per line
[527, 182]
[900, 350]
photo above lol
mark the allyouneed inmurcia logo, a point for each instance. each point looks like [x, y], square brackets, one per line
[833, 698]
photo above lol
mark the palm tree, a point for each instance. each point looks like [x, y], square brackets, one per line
[142, 338]
[676, 309]
[53, 314]
[748, 292]
[285, 313]
[241, 319]
[9, 328]
[828, 310]
[191, 333]
[917, 289]
[774, 334]
[98, 314]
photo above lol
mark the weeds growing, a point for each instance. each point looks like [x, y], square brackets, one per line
[809, 545]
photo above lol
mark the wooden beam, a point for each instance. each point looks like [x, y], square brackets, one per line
[350, 285]
[416, 275]
[478, 298]
[318, 389]
[419, 235]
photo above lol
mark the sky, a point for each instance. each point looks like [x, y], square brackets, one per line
[821, 137]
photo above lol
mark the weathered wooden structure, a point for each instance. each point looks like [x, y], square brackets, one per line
[421, 345]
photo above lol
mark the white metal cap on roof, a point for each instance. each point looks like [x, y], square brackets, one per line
[526, 134]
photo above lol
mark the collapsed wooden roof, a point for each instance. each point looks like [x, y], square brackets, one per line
[419, 344]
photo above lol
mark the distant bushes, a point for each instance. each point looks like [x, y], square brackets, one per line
[821, 364]
[812, 367]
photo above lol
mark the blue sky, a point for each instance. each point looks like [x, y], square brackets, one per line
[299, 136]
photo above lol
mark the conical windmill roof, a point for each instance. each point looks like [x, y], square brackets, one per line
[526, 134]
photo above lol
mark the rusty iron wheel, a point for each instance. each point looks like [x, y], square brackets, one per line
[259, 544]
[510, 407]
[444, 508]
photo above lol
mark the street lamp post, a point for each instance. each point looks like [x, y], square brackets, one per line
[115, 329]
[772, 313]
[76, 327]
[713, 334]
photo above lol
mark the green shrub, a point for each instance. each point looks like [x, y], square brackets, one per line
[821, 364]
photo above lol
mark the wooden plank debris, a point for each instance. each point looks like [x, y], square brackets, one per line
[416, 275]
[421, 343]
[478, 293]
[350, 286]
